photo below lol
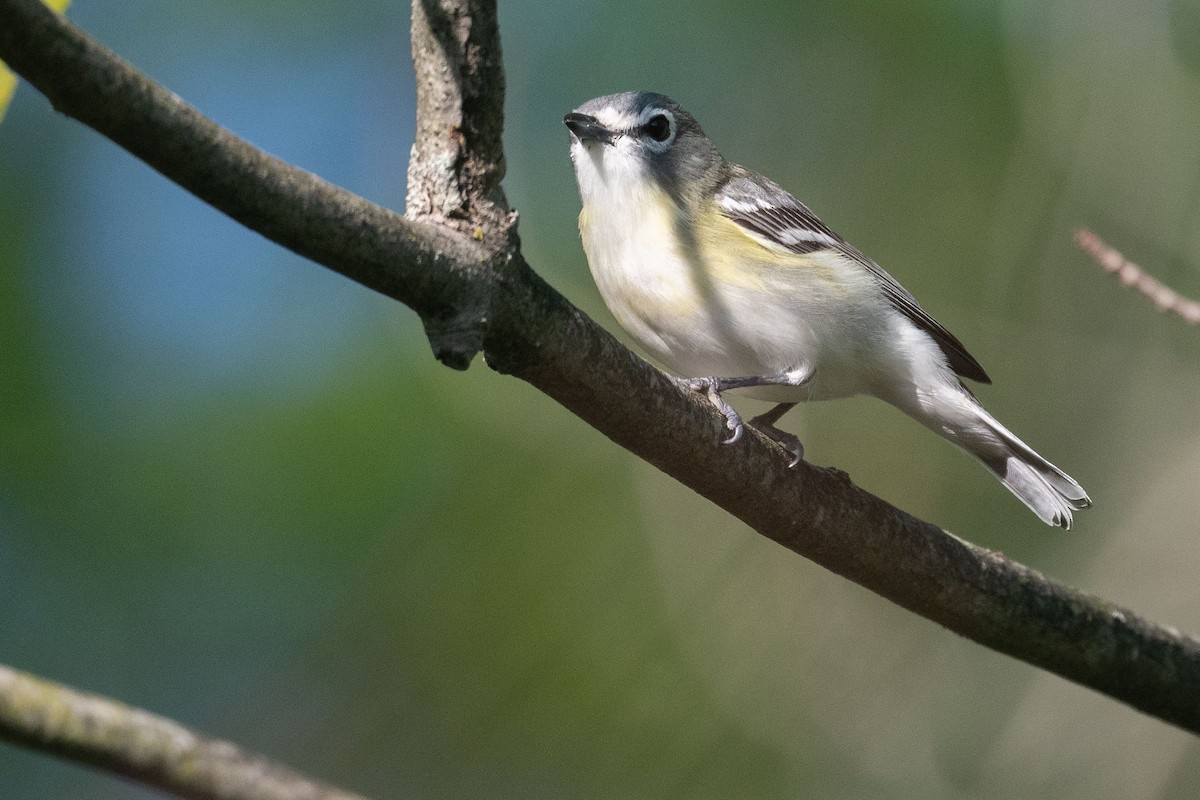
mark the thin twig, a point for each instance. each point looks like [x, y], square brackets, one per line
[142, 746]
[1130, 274]
[532, 332]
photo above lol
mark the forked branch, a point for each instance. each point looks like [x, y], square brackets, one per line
[455, 261]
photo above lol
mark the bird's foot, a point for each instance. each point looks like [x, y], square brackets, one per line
[765, 424]
[711, 387]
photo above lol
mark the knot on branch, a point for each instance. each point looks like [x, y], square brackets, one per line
[456, 337]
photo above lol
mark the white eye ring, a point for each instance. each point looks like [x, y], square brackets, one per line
[657, 127]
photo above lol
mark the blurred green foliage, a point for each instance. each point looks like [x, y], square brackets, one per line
[237, 490]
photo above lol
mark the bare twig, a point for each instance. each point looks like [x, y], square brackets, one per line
[139, 745]
[1130, 274]
[475, 288]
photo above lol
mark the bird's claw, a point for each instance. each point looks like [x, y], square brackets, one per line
[794, 446]
[736, 426]
[790, 442]
[711, 388]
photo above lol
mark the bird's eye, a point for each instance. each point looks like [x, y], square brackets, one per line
[658, 128]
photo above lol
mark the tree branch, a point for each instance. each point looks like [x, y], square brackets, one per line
[455, 262]
[1128, 273]
[139, 745]
[457, 160]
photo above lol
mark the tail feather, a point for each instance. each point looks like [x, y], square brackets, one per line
[954, 413]
[1048, 491]
[1042, 489]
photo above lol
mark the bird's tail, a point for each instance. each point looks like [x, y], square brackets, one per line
[1048, 491]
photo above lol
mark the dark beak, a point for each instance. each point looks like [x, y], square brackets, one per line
[588, 129]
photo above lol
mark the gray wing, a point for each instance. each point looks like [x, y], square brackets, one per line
[761, 206]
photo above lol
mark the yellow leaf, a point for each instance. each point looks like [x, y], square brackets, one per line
[8, 81]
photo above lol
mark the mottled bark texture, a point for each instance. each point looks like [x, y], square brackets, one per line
[455, 260]
[457, 159]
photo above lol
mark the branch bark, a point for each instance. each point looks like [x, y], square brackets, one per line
[139, 745]
[455, 260]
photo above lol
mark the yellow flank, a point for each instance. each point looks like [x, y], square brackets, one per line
[648, 258]
[735, 256]
[8, 81]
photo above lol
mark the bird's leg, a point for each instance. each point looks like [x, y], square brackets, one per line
[790, 441]
[713, 387]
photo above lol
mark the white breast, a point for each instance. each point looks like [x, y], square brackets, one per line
[628, 231]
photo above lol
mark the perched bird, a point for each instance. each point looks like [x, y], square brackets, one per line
[728, 280]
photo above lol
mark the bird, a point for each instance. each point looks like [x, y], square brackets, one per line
[733, 284]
